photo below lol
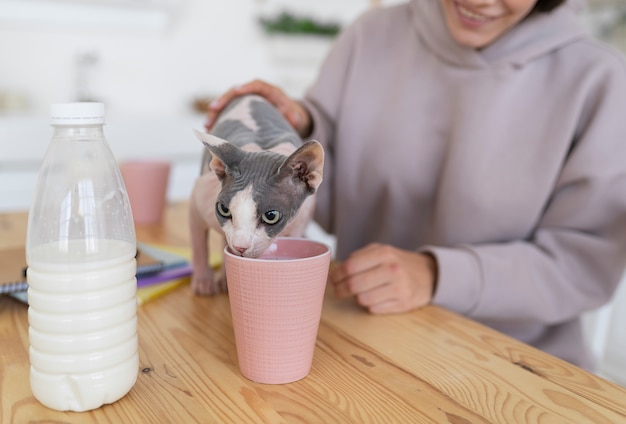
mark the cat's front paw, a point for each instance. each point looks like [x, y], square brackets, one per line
[204, 285]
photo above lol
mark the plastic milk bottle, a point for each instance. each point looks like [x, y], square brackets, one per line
[80, 251]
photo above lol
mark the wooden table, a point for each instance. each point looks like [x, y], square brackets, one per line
[429, 365]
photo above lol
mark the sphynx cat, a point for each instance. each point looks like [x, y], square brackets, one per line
[257, 182]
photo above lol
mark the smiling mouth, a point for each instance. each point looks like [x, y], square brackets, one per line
[470, 15]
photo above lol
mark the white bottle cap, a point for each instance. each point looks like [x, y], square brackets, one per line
[83, 113]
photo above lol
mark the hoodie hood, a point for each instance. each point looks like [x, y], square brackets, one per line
[533, 37]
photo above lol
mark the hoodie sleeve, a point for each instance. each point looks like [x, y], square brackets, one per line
[575, 258]
[323, 101]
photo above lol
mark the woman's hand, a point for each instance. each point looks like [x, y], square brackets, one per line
[293, 111]
[385, 279]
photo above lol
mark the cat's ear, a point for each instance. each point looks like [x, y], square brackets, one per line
[306, 164]
[224, 155]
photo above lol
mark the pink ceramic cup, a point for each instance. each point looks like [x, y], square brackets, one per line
[146, 184]
[276, 306]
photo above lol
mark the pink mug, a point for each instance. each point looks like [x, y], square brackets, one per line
[146, 184]
[276, 306]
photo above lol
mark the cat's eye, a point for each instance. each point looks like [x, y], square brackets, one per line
[271, 217]
[222, 210]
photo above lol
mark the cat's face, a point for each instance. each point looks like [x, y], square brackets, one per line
[261, 191]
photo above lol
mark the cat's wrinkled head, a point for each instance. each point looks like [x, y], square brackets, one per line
[262, 191]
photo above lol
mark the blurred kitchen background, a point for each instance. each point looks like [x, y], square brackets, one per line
[156, 63]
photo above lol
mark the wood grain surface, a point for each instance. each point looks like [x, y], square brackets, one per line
[429, 366]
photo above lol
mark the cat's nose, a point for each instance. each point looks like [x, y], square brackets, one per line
[240, 249]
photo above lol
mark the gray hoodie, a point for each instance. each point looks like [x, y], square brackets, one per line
[508, 163]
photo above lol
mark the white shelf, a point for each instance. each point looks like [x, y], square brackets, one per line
[153, 15]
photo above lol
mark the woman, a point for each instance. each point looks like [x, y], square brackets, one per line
[476, 159]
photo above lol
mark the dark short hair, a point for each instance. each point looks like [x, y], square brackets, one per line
[547, 5]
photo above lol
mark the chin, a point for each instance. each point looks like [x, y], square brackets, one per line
[472, 39]
[254, 253]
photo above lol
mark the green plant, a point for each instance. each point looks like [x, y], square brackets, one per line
[287, 23]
